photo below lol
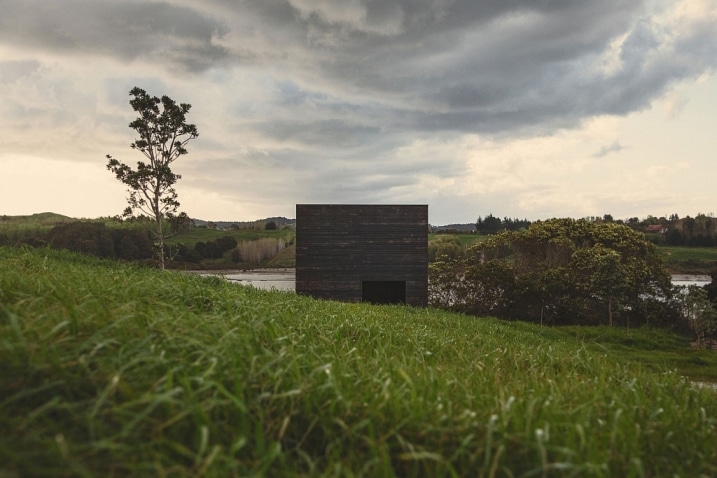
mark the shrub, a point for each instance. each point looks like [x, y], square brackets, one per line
[226, 243]
[85, 237]
[445, 247]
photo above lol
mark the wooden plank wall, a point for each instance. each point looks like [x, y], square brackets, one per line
[339, 246]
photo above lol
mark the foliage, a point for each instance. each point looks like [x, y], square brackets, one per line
[215, 249]
[699, 312]
[185, 254]
[270, 226]
[132, 244]
[447, 286]
[180, 223]
[163, 136]
[493, 225]
[559, 271]
[699, 231]
[104, 376]
[711, 288]
[85, 237]
[444, 247]
[96, 239]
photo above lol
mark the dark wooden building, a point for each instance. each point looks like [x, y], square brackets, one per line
[371, 253]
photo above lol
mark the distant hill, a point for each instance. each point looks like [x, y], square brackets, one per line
[42, 219]
[51, 218]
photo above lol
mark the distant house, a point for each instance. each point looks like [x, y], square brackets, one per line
[656, 228]
[363, 253]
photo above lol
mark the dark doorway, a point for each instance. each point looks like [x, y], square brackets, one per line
[384, 291]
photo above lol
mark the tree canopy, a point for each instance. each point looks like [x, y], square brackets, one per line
[560, 271]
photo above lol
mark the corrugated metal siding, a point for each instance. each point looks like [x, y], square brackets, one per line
[339, 246]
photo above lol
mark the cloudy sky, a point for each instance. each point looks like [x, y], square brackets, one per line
[520, 108]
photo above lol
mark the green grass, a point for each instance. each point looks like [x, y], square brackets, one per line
[697, 260]
[198, 234]
[43, 219]
[653, 349]
[15, 228]
[114, 370]
[285, 259]
[466, 239]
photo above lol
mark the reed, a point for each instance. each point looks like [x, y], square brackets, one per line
[259, 250]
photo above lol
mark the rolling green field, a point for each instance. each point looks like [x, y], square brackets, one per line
[466, 239]
[16, 228]
[697, 260]
[202, 234]
[114, 370]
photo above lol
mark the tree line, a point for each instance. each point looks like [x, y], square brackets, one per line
[92, 238]
[698, 231]
[493, 225]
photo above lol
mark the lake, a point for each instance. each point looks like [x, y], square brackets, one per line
[279, 279]
[691, 279]
[285, 279]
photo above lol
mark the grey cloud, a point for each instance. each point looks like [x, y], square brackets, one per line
[382, 18]
[290, 94]
[317, 134]
[485, 66]
[443, 65]
[160, 31]
[497, 68]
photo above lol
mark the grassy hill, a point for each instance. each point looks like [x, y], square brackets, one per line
[689, 260]
[42, 218]
[14, 228]
[111, 369]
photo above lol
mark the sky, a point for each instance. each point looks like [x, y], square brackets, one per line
[516, 108]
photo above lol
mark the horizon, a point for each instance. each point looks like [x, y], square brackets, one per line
[598, 217]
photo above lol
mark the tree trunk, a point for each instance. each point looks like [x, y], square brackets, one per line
[160, 239]
[609, 310]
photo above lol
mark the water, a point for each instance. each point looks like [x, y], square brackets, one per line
[691, 279]
[279, 279]
[285, 279]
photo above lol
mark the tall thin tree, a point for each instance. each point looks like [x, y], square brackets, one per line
[163, 135]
